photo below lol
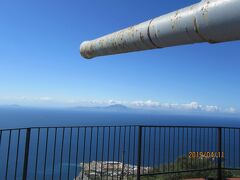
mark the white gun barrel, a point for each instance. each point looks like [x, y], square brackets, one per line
[212, 21]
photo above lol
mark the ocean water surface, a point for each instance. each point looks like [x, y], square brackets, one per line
[17, 117]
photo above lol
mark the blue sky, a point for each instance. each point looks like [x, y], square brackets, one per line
[40, 63]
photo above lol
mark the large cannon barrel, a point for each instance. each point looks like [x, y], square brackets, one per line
[210, 21]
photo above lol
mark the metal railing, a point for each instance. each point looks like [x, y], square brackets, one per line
[118, 152]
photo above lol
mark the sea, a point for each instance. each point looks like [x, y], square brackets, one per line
[19, 117]
[69, 165]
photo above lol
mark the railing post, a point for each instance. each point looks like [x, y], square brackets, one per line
[26, 154]
[139, 152]
[0, 137]
[219, 175]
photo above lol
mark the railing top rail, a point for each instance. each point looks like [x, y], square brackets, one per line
[112, 126]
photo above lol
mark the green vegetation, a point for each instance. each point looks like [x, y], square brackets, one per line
[184, 163]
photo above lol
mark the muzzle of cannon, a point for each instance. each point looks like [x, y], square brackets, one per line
[211, 21]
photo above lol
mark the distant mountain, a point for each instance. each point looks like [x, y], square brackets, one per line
[111, 108]
[117, 107]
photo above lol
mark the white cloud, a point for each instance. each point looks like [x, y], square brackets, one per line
[156, 105]
[230, 110]
[192, 106]
[44, 98]
[210, 108]
[148, 104]
[103, 102]
[23, 98]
